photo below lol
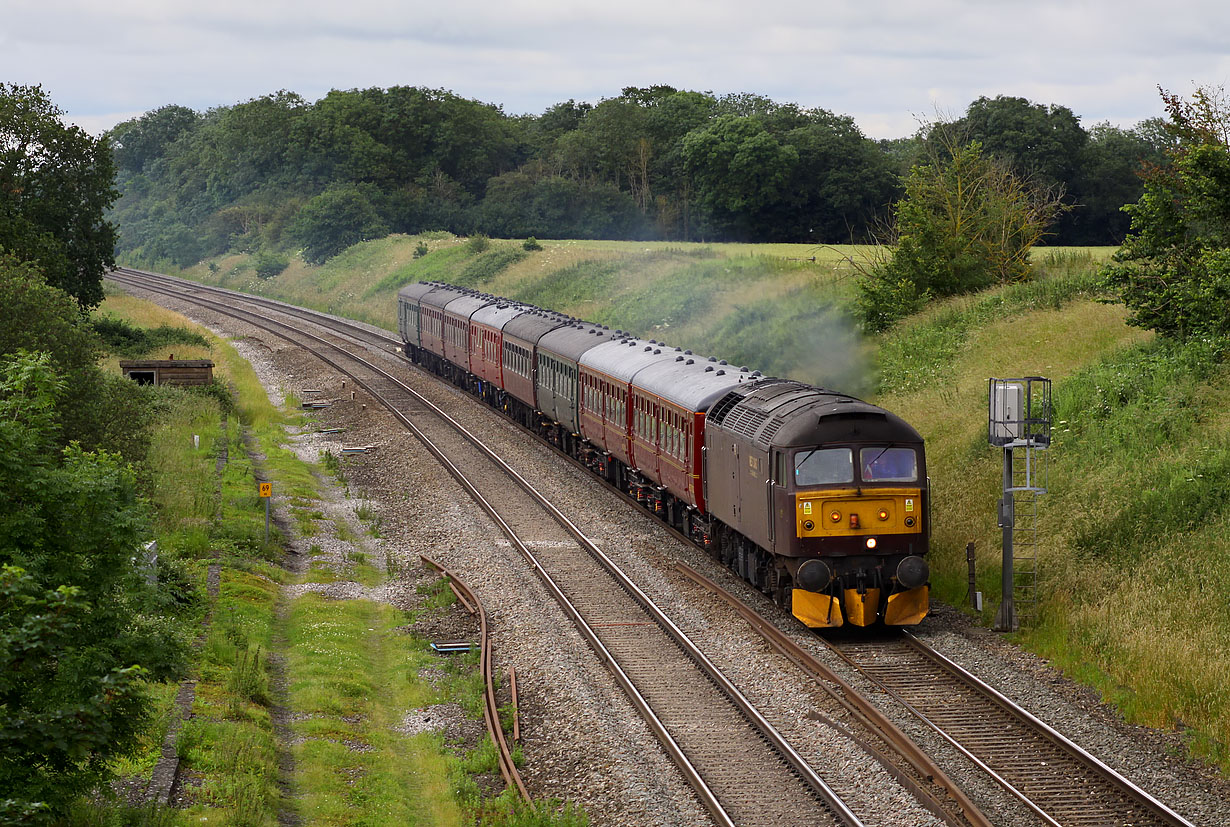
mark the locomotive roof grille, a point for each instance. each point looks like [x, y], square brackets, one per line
[864, 414]
[772, 428]
[746, 422]
[723, 406]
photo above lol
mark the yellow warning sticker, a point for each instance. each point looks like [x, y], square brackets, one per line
[909, 505]
[806, 508]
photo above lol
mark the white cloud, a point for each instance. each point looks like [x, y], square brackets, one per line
[882, 62]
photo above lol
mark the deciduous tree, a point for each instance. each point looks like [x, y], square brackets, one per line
[1173, 271]
[75, 622]
[56, 184]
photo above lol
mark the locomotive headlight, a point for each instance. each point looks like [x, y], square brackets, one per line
[808, 525]
[835, 516]
[909, 522]
[871, 542]
[883, 514]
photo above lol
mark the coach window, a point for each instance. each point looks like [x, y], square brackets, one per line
[823, 466]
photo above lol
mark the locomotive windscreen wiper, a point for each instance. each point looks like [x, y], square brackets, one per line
[877, 456]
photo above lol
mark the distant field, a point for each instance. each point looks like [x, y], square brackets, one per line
[1135, 530]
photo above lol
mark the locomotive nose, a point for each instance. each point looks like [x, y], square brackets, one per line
[814, 575]
[912, 572]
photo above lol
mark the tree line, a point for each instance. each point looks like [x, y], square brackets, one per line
[281, 173]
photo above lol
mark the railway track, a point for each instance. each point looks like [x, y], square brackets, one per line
[1061, 783]
[743, 771]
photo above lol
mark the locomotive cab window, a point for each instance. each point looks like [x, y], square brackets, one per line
[823, 466]
[888, 464]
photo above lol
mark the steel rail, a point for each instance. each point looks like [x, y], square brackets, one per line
[861, 709]
[1157, 808]
[831, 799]
[1165, 815]
[491, 707]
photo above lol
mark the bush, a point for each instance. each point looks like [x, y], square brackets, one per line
[478, 243]
[966, 222]
[336, 219]
[1173, 271]
[125, 339]
[421, 249]
[884, 298]
[268, 264]
[531, 243]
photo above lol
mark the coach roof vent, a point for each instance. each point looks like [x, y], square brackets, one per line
[708, 368]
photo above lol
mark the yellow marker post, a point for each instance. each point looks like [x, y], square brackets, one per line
[266, 494]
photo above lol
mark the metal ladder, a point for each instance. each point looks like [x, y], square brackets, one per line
[1028, 483]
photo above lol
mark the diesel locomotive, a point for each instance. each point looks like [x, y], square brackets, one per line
[818, 499]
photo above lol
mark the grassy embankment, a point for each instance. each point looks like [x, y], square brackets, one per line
[704, 297]
[350, 673]
[1135, 529]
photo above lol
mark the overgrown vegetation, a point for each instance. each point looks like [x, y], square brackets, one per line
[125, 339]
[352, 672]
[1173, 271]
[81, 622]
[966, 222]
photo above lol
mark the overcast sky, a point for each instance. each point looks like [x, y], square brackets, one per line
[884, 63]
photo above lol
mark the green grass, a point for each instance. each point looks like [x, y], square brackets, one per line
[1134, 529]
[578, 285]
[699, 286]
[348, 658]
[356, 676]
[229, 740]
[922, 350]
